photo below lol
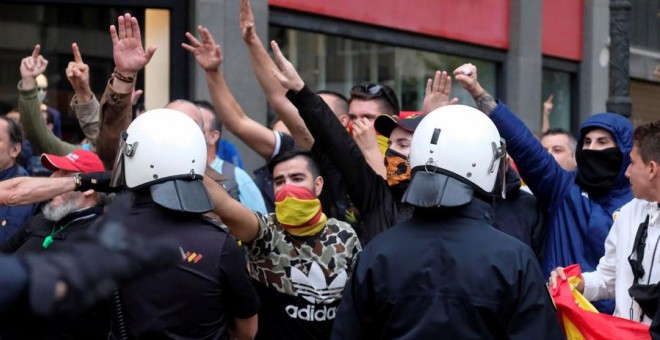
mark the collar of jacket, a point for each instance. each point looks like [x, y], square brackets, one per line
[477, 209]
[11, 172]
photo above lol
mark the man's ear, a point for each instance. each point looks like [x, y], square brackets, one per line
[318, 185]
[15, 150]
[214, 137]
[653, 170]
[344, 119]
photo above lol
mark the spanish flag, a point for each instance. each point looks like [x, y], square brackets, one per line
[582, 321]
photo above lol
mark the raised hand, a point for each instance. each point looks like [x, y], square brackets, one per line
[285, 72]
[31, 67]
[466, 75]
[127, 51]
[247, 22]
[364, 134]
[77, 72]
[548, 105]
[207, 53]
[437, 92]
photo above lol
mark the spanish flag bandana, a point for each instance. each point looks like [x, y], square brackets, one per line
[299, 211]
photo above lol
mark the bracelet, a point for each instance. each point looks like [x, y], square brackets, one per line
[122, 77]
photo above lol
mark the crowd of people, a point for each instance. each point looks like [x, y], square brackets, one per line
[363, 223]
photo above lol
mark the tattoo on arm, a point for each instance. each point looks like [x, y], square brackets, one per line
[485, 102]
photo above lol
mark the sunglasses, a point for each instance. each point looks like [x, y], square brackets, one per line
[371, 90]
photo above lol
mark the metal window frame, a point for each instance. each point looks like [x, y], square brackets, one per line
[376, 34]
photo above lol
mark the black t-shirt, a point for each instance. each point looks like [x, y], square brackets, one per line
[195, 299]
[303, 320]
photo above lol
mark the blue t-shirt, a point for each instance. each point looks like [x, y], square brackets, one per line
[228, 152]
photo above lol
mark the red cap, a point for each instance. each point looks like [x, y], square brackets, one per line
[405, 114]
[77, 161]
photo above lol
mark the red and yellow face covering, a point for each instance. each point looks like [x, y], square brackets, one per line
[299, 211]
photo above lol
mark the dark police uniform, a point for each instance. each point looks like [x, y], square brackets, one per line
[197, 298]
[447, 273]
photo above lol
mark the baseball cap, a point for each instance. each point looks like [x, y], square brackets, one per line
[77, 161]
[384, 124]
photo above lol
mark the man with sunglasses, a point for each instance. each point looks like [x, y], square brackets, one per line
[627, 268]
[368, 101]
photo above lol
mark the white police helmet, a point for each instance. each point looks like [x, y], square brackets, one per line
[455, 150]
[164, 150]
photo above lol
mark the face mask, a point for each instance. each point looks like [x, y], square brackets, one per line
[398, 168]
[598, 169]
[299, 211]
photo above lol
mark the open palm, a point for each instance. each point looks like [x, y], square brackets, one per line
[207, 53]
[127, 51]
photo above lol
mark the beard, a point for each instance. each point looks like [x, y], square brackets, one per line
[68, 203]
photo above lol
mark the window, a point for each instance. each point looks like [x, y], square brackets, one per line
[336, 63]
[558, 84]
[55, 27]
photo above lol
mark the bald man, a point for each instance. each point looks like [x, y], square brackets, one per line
[237, 182]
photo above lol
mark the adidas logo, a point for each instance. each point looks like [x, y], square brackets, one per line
[313, 287]
[311, 313]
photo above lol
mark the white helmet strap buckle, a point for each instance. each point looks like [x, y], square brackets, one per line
[499, 152]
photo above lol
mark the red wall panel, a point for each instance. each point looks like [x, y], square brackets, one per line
[483, 22]
[562, 28]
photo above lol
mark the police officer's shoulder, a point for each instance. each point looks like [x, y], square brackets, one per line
[215, 223]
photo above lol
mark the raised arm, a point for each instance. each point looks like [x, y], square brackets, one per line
[241, 221]
[34, 126]
[116, 107]
[209, 56]
[29, 190]
[537, 167]
[366, 188]
[547, 109]
[83, 103]
[262, 65]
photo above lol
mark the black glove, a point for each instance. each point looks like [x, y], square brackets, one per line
[97, 181]
[93, 269]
